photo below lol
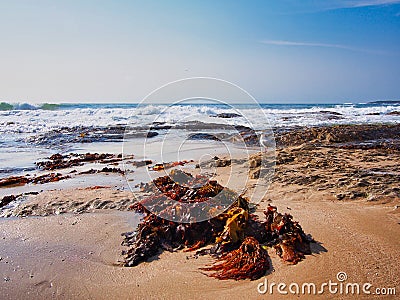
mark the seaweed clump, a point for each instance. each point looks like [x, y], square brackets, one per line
[237, 237]
[250, 260]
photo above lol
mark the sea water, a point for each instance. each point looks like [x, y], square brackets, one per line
[32, 132]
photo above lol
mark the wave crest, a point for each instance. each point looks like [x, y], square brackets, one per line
[4, 106]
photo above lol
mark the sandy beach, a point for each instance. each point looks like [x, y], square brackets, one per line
[200, 149]
[65, 243]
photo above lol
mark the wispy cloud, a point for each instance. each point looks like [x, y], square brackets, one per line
[312, 6]
[362, 3]
[320, 45]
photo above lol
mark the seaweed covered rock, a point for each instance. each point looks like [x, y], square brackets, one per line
[58, 161]
[22, 180]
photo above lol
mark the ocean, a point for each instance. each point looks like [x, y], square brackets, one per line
[32, 132]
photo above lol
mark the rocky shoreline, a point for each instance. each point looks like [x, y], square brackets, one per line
[334, 190]
[349, 161]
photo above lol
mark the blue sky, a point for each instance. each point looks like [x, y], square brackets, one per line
[279, 50]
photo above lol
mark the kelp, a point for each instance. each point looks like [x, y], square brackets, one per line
[237, 236]
[286, 236]
[250, 260]
[22, 180]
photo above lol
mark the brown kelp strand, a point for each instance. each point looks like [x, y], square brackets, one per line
[22, 180]
[286, 236]
[155, 234]
[237, 236]
[250, 260]
[165, 166]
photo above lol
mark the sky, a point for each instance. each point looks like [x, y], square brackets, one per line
[280, 51]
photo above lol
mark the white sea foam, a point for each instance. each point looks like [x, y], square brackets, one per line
[40, 121]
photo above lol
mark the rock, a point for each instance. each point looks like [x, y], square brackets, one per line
[203, 136]
[330, 112]
[340, 196]
[7, 199]
[331, 138]
[58, 161]
[142, 163]
[362, 183]
[228, 115]
[151, 134]
[104, 170]
[394, 113]
[356, 194]
[255, 174]
[222, 162]
[160, 126]
[255, 162]
[372, 198]
[352, 134]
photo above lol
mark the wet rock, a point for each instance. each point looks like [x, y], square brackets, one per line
[394, 113]
[330, 112]
[142, 163]
[58, 161]
[247, 135]
[8, 199]
[227, 115]
[203, 136]
[160, 126]
[103, 170]
[151, 134]
[112, 170]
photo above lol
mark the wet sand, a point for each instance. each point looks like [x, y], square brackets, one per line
[74, 256]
